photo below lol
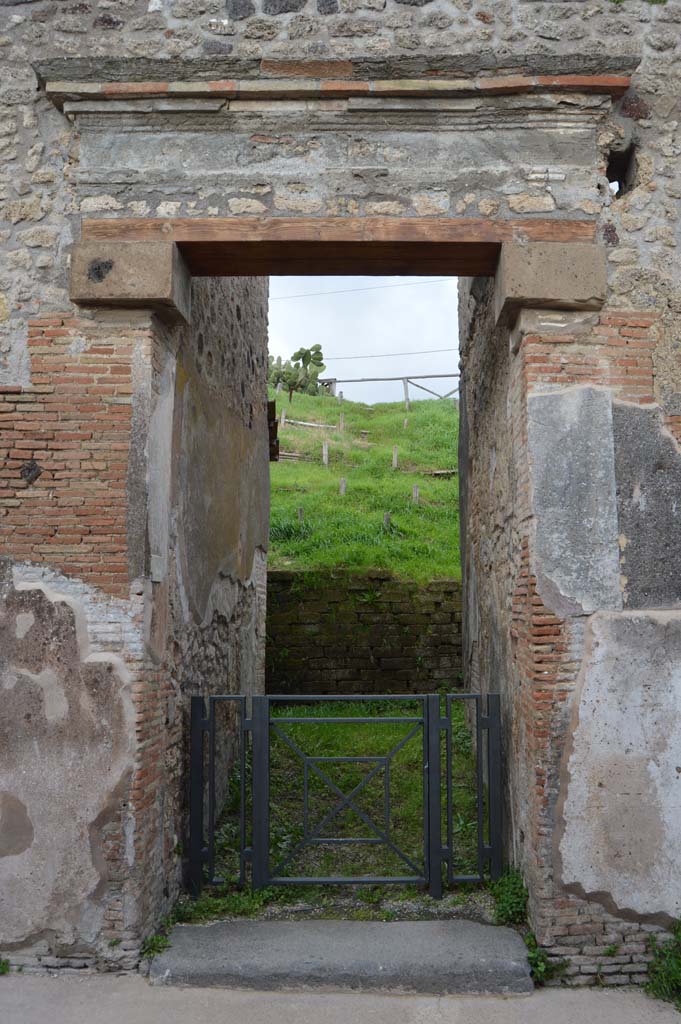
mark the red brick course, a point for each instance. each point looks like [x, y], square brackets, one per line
[74, 423]
[598, 947]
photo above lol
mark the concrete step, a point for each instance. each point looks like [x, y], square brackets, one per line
[435, 957]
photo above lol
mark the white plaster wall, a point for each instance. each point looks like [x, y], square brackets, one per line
[622, 813]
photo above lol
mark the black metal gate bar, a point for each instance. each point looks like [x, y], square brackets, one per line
[202, 832]
[496, 857]
[260, 734]
[417, 721]
[432, 769]
[487, 723]
[261, 726]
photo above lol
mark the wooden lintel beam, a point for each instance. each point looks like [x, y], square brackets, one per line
[245, 246]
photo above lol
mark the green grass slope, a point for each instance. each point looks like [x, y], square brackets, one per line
[421, 542]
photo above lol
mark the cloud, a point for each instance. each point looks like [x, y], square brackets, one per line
[415, 318]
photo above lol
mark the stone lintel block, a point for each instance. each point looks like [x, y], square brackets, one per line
[132, 274]
[549, 275]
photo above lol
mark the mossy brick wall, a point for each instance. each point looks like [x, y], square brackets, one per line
[345, 633]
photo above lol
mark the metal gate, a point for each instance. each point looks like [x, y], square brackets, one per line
[345, 802]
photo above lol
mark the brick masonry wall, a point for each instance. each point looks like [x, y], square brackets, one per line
[345, 633]
[509, 618]
[107, 458]
[64, 449]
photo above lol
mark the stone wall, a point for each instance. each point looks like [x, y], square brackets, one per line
[53, 174]
[345, 633]
[135, 510]
[259, 108]
[547, 611]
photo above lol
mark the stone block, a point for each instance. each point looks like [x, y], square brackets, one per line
[576, 549]
[132, 274]
[549, 275]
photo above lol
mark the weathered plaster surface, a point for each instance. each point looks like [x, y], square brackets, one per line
[67, 743]
[293, 157]
[622, 812]
[572, 474]
[648, 467]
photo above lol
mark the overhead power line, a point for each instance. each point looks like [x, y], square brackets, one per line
[369, 288]
[389, 355]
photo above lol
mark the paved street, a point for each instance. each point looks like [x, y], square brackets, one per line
[27, 999]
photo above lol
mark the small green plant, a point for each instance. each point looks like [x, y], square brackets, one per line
[113, 943]
[371, 894]
[542, 968]
[222, 901]
[612, 950]
[510, 898]
[664, 971]
[4, 966]
[154, 945]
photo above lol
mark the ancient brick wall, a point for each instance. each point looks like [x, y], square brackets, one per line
[65, 448]
[532, 606]
[347, 633]
[119, 603]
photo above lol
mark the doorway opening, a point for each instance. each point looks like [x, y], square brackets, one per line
[365, 766]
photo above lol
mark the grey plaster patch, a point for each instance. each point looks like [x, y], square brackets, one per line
[16, 828]
[159, 466]
[66, 718]
[648, 471]
[622, 812]
[55, 703]
[572, 474]
[24, 622]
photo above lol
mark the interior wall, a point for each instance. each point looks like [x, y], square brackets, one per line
[210, 508]
[493, 500]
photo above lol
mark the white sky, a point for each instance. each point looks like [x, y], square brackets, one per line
[416, 318]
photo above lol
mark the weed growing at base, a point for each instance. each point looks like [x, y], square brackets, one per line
[510, 897]
[665, 969]
[421, 541]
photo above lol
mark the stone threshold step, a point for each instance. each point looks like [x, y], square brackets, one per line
[434, 957]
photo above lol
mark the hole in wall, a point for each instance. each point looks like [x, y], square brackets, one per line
[621, 170]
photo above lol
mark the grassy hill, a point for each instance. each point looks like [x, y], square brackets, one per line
[421, 541]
